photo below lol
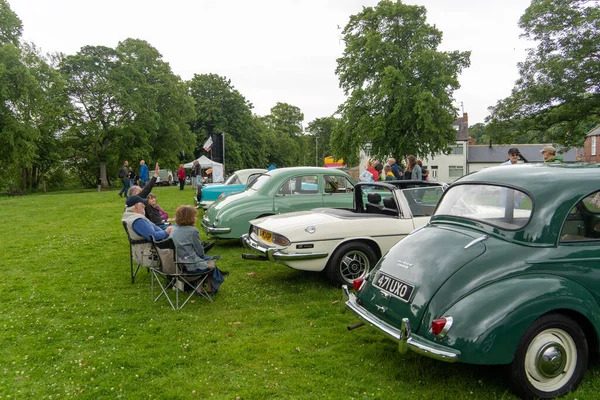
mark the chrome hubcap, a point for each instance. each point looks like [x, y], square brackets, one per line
[551, 360]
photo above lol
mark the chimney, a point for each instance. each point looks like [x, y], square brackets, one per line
[490, 143]
[466, 118]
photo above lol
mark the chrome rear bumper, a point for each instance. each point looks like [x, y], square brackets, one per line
[406, 340]
[273, 254]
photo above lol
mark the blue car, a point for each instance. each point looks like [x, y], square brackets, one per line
[235, 183]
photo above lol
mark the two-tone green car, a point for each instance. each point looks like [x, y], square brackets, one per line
[278, 191]
[506, 272]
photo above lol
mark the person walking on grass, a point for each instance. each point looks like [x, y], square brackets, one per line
[124, 176]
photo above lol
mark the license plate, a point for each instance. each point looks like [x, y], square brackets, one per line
[395, 287]
[265, 235]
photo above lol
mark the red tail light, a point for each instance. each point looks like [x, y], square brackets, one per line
[357, 283]
[441, 326]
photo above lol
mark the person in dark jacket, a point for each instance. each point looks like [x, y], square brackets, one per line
[156, 214]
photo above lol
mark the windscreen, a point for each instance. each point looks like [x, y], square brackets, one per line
[503, 207]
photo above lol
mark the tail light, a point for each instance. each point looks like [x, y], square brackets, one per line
[357, 283]
[441, 326]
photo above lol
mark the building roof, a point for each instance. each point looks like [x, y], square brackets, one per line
[462, 127]
[594, 132]
[499, 154]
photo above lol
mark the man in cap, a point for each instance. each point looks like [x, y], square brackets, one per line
[513, 156]
[549, 154]
[140, 228]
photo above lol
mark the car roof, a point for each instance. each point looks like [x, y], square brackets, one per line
[541, 180]
[555, 189]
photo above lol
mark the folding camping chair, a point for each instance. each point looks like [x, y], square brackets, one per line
[171, 273]
[133, 242]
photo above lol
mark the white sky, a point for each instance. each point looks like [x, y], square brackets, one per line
[280, 50]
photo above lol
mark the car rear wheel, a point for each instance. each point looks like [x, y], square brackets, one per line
[350, 261]
[551, 358]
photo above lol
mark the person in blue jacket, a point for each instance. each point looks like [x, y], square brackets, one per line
[143, 173]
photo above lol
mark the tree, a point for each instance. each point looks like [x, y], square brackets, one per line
[559, 86]
[285, 139]
[46, 115]
[127, 105]
[322, 129]
[11, 26]
[164, 110]
[399, 86]
[221, 108]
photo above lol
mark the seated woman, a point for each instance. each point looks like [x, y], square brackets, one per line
[189, 247]
[156, 214]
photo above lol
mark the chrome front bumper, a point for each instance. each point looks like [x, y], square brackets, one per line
[273, 254]
[206, 204]
[212, 230]
[406, 340]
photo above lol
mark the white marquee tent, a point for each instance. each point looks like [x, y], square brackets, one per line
[205, 163]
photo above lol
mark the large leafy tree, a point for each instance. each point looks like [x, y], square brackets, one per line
[285, 136]
[127, 104]
[11, 27]
[163, 109]
[47, 114]
[399, 86]
[559, 87]
[221, 108]
[321, 130]
[18, 91]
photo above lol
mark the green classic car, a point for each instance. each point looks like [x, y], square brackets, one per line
[278, 191]
[506, 272]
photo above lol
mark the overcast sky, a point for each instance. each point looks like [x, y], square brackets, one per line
[280, 50]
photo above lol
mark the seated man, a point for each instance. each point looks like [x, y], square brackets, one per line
[139, 228]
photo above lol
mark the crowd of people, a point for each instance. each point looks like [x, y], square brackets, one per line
[376, 171]
[145, 218]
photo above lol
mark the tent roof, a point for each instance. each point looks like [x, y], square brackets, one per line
[204, 161]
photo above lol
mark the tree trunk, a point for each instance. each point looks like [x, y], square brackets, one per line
[104, 181]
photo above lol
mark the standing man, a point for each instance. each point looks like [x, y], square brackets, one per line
[396, 169]
[143, 173]
[193, 173]
[124, 176]
[549, 154]
[513, 159]
[513, 156]
[198, 172]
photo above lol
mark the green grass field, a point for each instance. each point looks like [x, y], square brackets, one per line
[73, 325]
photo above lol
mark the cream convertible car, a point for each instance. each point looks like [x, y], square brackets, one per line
[347, 243]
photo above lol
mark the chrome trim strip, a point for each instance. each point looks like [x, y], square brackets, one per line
[275, 255]
[406, 340]
[475, 241]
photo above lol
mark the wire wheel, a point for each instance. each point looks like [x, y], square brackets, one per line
[349, 262]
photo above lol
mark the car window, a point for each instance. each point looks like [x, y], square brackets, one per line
[499, 206]
[233, 180]
[583, 221]
[337, 184]
[306, 184]
[259, 182]
[252, 177]
[423, 200]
